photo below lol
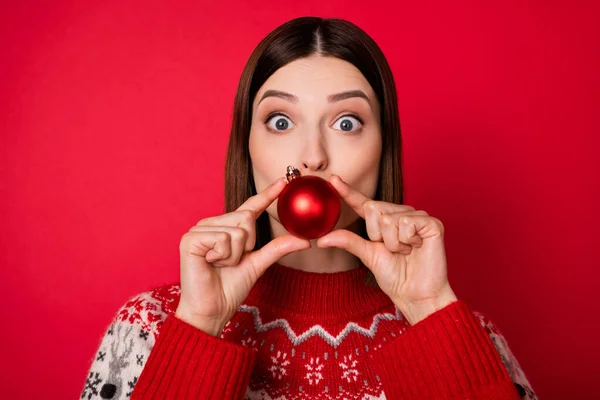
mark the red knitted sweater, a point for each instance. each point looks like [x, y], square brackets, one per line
[304, 335]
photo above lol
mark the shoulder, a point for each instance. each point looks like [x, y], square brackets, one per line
[127, 343]
[149, 309]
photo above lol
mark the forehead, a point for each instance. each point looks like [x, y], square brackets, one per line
[314, 78]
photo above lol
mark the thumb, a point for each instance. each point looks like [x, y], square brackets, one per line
[270, 253]
[349, 241]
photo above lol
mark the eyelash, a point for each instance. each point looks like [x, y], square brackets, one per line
[276, 114]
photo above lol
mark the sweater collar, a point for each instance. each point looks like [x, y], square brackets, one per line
[334, 295]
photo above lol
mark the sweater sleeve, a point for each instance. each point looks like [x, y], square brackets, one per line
[148, 353]
[453, 354]
[187, 363]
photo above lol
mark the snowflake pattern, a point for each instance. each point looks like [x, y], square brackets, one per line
[131, 385]
[91, 386]
[314, 368]
[349, 367]
[147, 312]
[226, 328]
[249, 342]
[279, 363]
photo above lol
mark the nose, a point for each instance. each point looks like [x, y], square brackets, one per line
[314, 157]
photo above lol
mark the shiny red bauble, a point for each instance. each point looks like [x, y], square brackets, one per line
[309, 206]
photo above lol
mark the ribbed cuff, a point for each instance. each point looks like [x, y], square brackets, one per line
[188, 363]
[447, 355]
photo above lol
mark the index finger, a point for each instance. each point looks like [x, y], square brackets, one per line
[260, 201]
[355, 199]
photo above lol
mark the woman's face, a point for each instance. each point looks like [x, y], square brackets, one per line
[297, 121]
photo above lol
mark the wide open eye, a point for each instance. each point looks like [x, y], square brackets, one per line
[348, 123]
[279, 122]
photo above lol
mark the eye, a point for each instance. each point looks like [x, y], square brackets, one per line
[281, 122]
[348, 123]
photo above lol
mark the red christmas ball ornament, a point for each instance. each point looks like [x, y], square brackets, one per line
[309, 206]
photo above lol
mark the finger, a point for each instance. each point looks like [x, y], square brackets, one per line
[355, 199]
[238, 239]
[270, 253]
[259, 202]
[372, 215]
[243, 219]
[349, 241]
[374, 210]
[201, 243]
[389, 230]
[410, 236]
[414, 229]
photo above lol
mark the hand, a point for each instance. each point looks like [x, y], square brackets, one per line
[218, 266]
[405, 252]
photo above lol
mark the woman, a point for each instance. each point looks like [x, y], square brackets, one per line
[364, 312]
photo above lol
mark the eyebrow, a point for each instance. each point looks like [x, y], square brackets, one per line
[332, 98]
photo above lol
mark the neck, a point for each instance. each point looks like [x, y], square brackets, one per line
[317, 259]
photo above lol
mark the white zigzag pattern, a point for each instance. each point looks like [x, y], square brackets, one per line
[318, 329]
[262, 395]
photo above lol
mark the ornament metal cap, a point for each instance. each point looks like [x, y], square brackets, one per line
[292, 173]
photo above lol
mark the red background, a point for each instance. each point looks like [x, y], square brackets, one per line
[114, 125]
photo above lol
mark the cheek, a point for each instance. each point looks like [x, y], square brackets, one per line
[257, 159]
[269, 158]
[269, 162]
[359, 163]
[361, 171]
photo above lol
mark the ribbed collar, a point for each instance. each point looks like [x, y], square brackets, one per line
[331, 296]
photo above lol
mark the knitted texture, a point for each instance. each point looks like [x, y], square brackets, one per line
[304, 335]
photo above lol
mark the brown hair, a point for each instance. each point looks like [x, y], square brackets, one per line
[298, 38]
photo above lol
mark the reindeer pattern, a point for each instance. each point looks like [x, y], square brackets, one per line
[115, 371]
